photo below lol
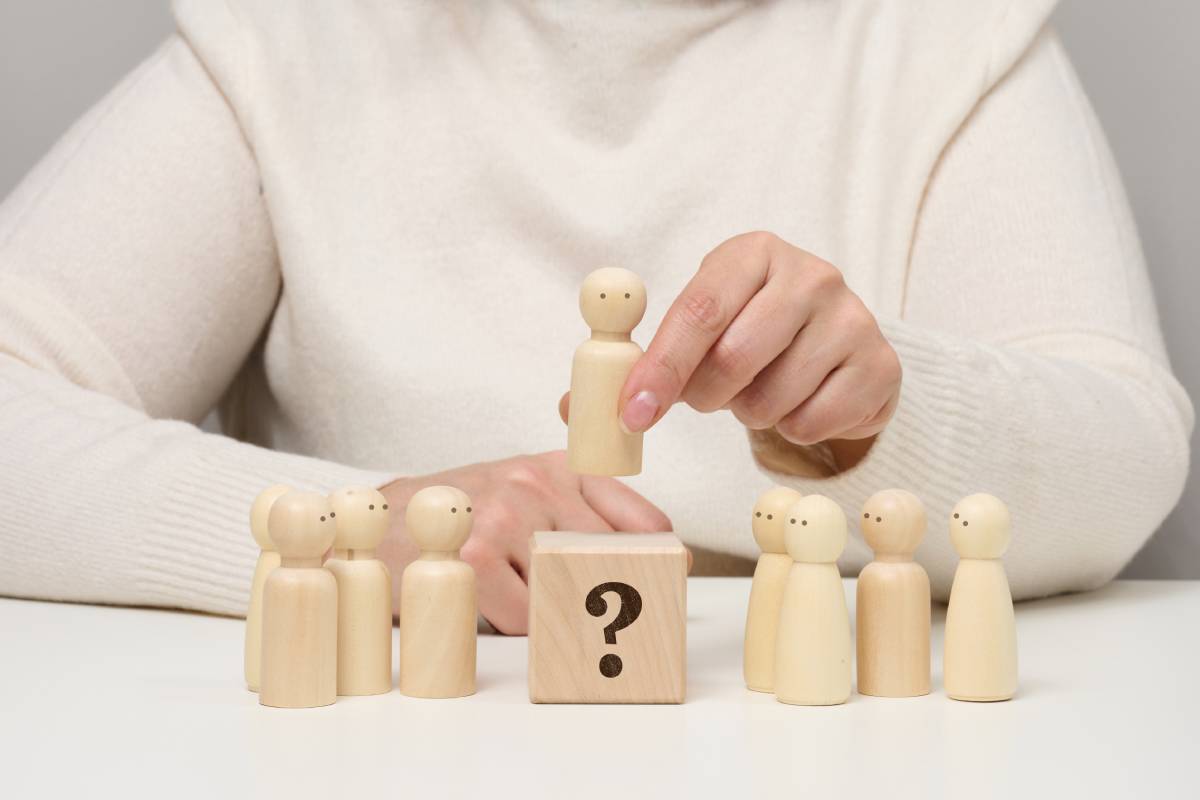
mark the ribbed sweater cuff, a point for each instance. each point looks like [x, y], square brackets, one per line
[197, 551]
[936, 425]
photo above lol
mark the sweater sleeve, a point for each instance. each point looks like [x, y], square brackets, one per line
[137, 272]
[1034, 368]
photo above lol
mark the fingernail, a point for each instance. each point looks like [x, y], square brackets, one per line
[639, 412]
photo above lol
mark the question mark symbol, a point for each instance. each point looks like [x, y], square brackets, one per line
[627, 613]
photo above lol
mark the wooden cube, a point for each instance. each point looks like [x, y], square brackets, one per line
[607, 618]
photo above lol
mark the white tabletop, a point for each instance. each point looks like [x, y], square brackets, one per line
[94, 700]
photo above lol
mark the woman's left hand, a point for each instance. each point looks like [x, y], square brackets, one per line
[773, 334]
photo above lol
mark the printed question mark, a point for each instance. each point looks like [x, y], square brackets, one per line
[627, 613]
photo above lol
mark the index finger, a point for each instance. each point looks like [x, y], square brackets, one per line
[728, 277]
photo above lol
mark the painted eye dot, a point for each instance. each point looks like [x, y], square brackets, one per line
[371, 507]
[964, 523]
[956, 516]
[793, 520]
[770, 516]
[454, 509]
[867, 515]
[758, 513]
[627, 295]
[879, 519]
[603, 295]
[332, 514]
[803, 522]
[468, 509]
[322, 519]
[385, 506]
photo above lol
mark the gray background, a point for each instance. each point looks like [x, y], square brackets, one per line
[1137, 60]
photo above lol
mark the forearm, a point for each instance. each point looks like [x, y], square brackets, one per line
[1090, 450]
[104, 504]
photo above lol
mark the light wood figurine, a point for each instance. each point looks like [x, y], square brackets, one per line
[980, 661]
[438, 606]
[299, 658]
[612, 301]
[766, 590]
[607, 618]
[893, 603]
[268, 559]
[364, 592]
[813, 651]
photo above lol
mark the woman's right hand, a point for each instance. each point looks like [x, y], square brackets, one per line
[512, 499]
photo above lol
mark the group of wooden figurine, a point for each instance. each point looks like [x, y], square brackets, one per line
[798, 640]
[316, 629]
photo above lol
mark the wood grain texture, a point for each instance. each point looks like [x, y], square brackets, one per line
[567, 642]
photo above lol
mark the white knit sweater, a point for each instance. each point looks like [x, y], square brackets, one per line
[361, 229]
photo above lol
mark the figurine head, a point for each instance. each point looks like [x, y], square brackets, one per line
[980, 527]
[439, 518]
[259, 512]
[893, 522]
[362, 517]
[768, 517]
[301, 525]
[612, 300]
[815, 530]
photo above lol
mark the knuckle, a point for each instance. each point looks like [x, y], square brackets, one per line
[701, 398]
[890, 368]
[731, 361]
[510, 622]
[666, 363]
[757, 241]
[752, 407]
[656, 521]
[526, 476]
[701, 310]
[800, 429]
[481, 555]
[662, 522]
[821, 276]
[498, 520]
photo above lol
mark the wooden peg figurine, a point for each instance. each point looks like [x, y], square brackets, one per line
[364, 650]
[893, 604]
[980, 661]
[612, 301]
[438, 606]
[299, 657]
[813, 651]
[268, 559]
[766, 591]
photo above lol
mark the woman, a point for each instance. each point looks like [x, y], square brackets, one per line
[361, 229]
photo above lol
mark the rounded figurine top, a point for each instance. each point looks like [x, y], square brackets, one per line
[362, 517]
[438, 519]
[612, 300]
[815, 530]
[769, 512]
[980, 527]
[302, 525]
[259, 512]
[893, 522]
